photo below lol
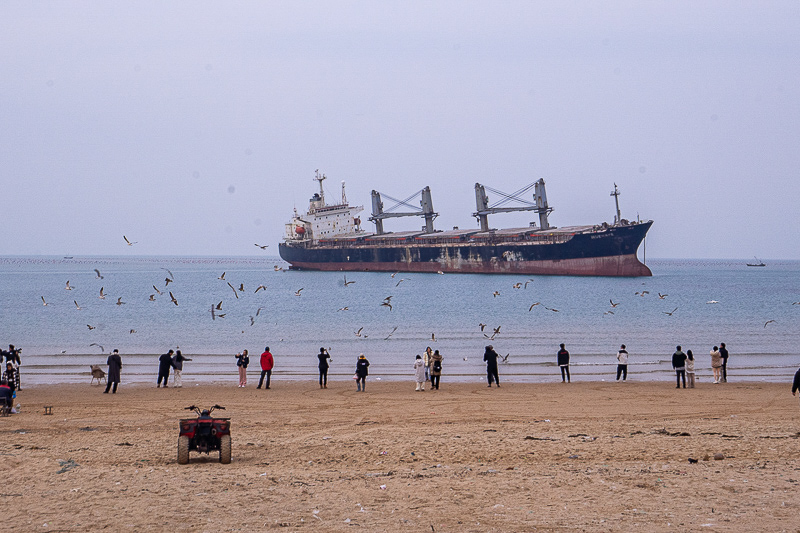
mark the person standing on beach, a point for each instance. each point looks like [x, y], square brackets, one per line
[177, 364]
[323, 357]
[164, 364]
[796, 382]
[419, 374]
[716, 364]
[622, 363]
[114, 363]
[563, 363]
[690, 368]
[723, 352]
[362, 371]
[679, 364]
[12, 356]
[267, 364]
[242, 360]
[436, 369]
[490, 356]
[426, 360]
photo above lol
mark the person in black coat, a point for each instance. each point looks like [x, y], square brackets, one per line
[114, 363]
[563, 363]
[164, 364]
[323, 356]
[796, 382]
[490, 356]
[362, 371]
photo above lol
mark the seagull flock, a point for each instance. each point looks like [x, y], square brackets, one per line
[217, 308]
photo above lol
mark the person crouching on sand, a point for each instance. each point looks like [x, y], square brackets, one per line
[242, 360]
[362, 371]
[419, 373]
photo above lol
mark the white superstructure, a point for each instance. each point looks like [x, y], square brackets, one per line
[324, 221]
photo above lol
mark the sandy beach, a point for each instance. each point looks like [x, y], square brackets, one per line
[590, 456]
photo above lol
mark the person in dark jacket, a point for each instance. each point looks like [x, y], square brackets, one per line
[10, 375]
[267, 364]
[436, 369]
[796, 382]
[679, 364]
[362, 371]
[323, 357]
[490, 356]
[563, 363]
[723, 352]
[164, 364]
[12, 356]
[114, 363]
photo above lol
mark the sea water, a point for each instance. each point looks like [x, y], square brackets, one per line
[704, 303]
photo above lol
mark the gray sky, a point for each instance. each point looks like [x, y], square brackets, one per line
[195, 128]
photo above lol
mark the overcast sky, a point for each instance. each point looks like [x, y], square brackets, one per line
[195, 128]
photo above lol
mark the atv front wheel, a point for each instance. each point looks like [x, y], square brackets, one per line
[183, 450]
[225, 449]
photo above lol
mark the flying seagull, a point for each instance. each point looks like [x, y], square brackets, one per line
[387, 304]
[219, 306]
[263, 247]
[297, 293]
[261, 287]
[526, 283]
[401, 281]
[258, 310]
[551, 309]
[496, 294]
[157, 290]
[102, 348]
[670, 313]
[102, 294]
[533, 305]
[213, 314]
[768, 322]
[167, 281]
[152, 297]
[612, 303]
[68, 287]
[346, 283]
[222, 277]
[43, 302]
[119, 301]
[358, 333]
[133, 331]
[233, 289]
[390, 334]
[517, 286]
[482, 326]
[78, 307]
[129, 242]
[241, 287]
[91, 327]
[99, 276]
[345, 308]
[172, 297]
[662, 296]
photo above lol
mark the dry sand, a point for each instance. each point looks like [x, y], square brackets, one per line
[581, 456]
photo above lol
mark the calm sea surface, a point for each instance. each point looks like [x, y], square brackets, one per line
[57, 342]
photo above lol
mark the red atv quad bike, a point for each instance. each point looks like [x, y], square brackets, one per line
[204, 434]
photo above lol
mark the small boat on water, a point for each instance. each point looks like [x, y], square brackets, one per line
[758, 263]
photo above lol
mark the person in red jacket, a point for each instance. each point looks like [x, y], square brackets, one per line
[267, 362]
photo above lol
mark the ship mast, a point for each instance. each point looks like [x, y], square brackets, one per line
[616, 194]
[426, 211]
[320, 178]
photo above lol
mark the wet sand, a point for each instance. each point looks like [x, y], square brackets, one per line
[593, 456]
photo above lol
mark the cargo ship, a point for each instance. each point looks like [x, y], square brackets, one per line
[330, 237]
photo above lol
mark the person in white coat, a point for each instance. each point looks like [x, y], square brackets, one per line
[419, 373]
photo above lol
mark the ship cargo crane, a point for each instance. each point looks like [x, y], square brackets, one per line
[539, 204]
[426, 211]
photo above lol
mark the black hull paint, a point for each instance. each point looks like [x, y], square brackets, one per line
[610, 252]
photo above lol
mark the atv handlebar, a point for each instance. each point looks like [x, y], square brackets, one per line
[200, 412]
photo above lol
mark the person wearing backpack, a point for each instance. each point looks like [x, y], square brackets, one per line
[436, 369]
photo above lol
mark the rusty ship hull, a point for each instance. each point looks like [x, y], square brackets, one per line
[570, 251]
